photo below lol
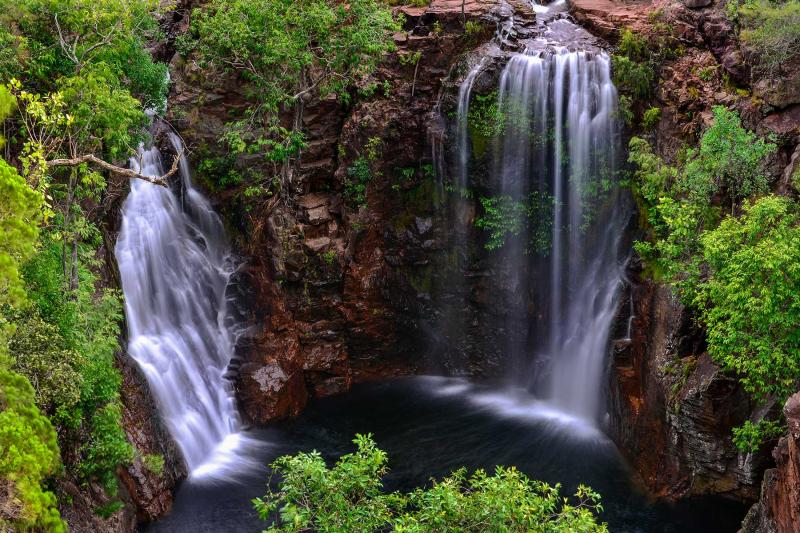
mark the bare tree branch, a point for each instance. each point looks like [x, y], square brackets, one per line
[161, 180]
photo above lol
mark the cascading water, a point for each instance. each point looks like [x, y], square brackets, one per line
[587, 230]
[176, 266]
[559, 148]
[462, 131]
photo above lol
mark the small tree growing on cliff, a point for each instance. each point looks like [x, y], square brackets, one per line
[288, 51]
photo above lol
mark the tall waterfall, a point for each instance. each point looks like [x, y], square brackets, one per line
[175, 266]
[561, 141]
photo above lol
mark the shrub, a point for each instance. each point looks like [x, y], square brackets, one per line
[729, 158]
[749, 437]
[78, 334]
[29, 454]
[633, 78]
[350, 497]
[154, 463]
[504, 218]
[633, 67]
[359, 174]
[749, 302]
[651, 118]
[485, 117]
[772, 31]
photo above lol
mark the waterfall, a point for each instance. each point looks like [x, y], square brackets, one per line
[561, 138]
[462, 124]
[175, 266]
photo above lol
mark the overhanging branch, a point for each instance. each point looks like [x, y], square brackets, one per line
[161, 180]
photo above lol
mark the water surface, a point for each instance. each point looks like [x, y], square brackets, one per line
[432, 426]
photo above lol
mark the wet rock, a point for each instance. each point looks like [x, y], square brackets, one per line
[606, 18]
[779, 92]
[151, 492]
[695, 4]
[672, 408]
[778, 509]
[423, 225]
[318, 215]
[270, 392]
[783, 124]
[318, 244]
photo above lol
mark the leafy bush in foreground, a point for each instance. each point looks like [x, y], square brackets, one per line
[350, 497]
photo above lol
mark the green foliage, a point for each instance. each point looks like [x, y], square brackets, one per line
[749, 437]
[473, 30]
[633, 67]
[504, 218]
[729, 158]
[107, 446]
[749, 301]
[625, 110]
[287, 48]
[740, 275]
[52, 369]
[29, 454]
[633, 46]
[350, 497]
[485, 117]
[771, 29]
[677, 202]
[28, 447]
[77, 333]
[651, 118]
[79, 76]
[288, 52]
[359, 174]
[20, 215]
[106, 119]
[329, 257]
[633, 78]
[154, 462]
[107, 510]
[52, 39]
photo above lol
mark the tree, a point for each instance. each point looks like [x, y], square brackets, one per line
[729, 158]
[28, 447]
[350, 497]
[749, 300]
[288, 51]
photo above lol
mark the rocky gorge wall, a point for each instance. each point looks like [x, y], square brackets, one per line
[778, 509]
[340, 293]
[672, 409]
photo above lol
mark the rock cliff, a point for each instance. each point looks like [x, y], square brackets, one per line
[778, 509]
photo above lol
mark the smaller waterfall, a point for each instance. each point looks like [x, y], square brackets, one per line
[175, 266]
[462, 125]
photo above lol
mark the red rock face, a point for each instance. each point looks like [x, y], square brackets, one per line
[607, 18]
[149, 491]
[673, 409]
[778, 510]
[325, 290]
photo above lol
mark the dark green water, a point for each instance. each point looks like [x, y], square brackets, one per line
[432, 426]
